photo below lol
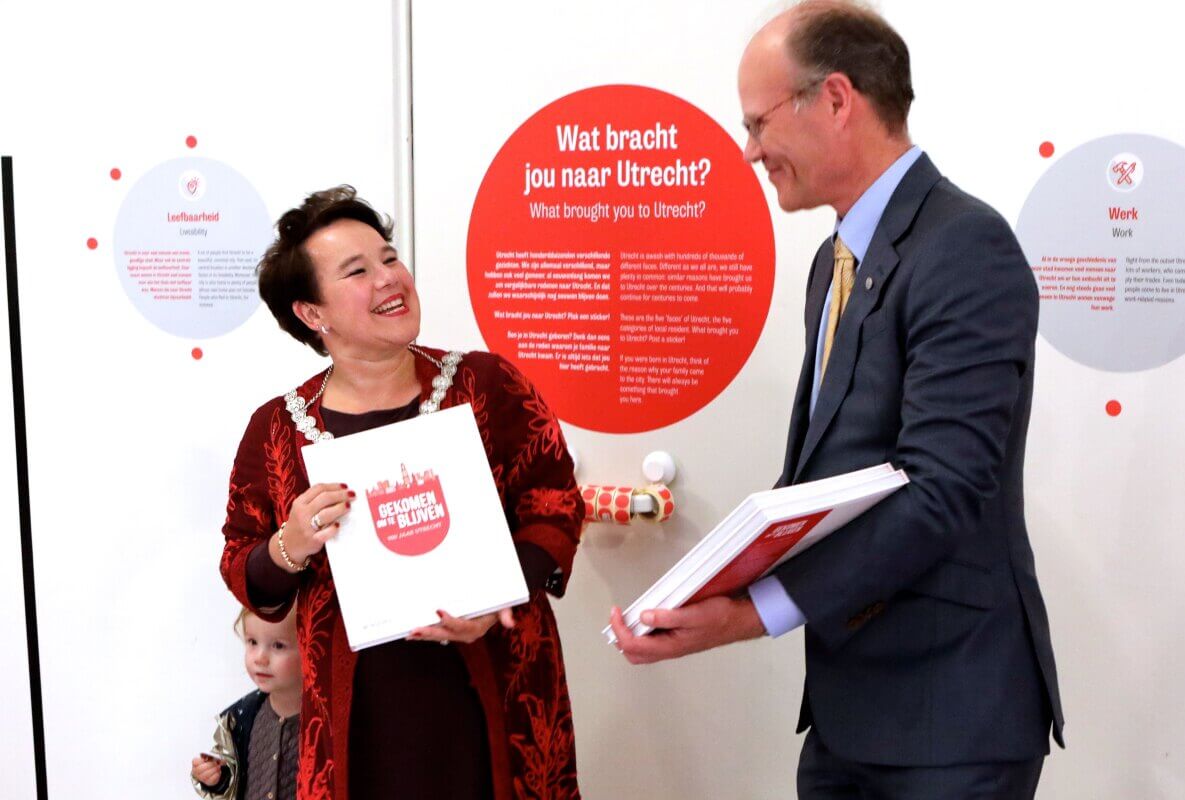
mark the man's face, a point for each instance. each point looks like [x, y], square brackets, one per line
[790, 129]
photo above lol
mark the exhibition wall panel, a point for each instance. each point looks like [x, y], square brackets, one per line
[1030, 106]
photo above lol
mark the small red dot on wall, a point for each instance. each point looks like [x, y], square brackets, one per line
[1046, 149]
[1114, 408]
[92, 243]
[196, 353]
[191, 141]
[116, 174]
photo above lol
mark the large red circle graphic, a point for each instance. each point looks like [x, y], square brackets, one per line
[621, 254]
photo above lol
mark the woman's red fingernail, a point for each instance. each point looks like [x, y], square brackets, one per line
[347, 505]
[351, 494]
[344, 486]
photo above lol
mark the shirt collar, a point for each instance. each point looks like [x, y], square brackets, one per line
[858, 225]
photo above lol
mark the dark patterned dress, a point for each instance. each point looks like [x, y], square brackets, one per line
[518, 674]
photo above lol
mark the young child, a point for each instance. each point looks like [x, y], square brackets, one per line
[256, 742]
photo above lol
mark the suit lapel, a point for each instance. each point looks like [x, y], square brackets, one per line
[874, 272]
[816, 294]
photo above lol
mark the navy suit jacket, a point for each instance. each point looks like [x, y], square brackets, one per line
[927, 641]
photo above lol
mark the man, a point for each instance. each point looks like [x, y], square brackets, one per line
[929, 667]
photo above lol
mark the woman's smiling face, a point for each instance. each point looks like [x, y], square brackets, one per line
[368, 297]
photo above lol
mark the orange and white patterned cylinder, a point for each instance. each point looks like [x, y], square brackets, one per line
[614, 503]
[607, 503]
[664, 501]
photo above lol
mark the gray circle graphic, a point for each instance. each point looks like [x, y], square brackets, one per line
[187, 239]
[1109, 255]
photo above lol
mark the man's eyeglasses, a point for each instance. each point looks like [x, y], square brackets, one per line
[756, 126]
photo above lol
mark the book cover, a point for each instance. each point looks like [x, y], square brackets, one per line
[763, 553]
[427, 531]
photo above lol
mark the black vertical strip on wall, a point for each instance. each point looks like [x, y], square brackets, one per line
[22, 479]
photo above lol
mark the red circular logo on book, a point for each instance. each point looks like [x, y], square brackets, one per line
[410, 516]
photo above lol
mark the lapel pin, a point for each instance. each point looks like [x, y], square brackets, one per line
[868, 283]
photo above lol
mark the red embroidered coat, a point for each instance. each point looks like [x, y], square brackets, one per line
[518, 673]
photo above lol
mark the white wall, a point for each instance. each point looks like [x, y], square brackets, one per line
[130, 438]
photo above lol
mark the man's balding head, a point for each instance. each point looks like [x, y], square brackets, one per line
[825, 91]
[826, 36]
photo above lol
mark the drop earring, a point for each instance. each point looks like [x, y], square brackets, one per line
[324, 329]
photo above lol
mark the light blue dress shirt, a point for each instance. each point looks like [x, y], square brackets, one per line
[779, 613]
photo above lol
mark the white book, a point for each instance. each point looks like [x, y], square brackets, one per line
[425, 532]
[763, 531]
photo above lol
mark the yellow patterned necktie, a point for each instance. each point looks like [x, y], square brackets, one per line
[843, 278]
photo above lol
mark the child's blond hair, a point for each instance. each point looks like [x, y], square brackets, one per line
[241, 620]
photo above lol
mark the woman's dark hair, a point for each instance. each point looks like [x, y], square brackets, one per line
[285, 272]
[844, 37]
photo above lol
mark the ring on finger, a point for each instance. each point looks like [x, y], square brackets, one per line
[316, 523]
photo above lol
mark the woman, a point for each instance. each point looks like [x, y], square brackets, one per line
[487, 717]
